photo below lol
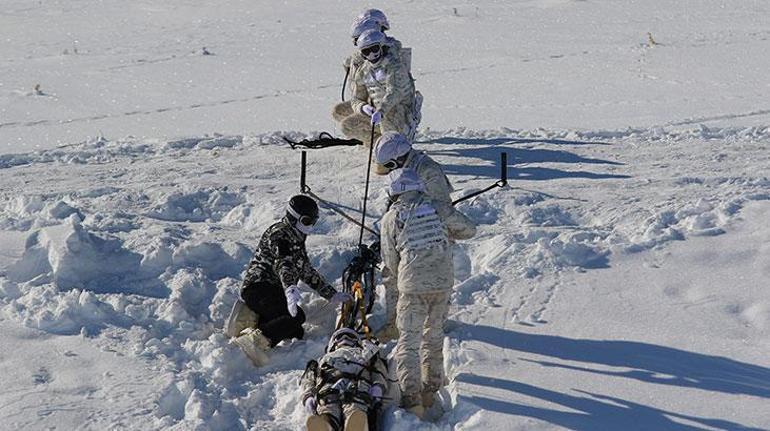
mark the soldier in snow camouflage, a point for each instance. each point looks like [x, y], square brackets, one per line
[416, 250]
[394, 151]
[383, 91]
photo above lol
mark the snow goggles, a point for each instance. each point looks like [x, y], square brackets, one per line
[371, 50]
[307, 220]
[391, 164]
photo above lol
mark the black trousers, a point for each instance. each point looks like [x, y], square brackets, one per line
[275, 322]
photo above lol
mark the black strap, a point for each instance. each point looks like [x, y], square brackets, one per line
[324, 140]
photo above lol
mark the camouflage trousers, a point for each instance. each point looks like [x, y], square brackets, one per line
[356, 125]
[419, 352]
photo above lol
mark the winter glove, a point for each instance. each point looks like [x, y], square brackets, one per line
[368, 110]
[341, 297]
[376, 117]
[311, 405]
[293, 297]
[375, 392]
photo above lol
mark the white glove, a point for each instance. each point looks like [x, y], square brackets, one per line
[368, 110]
[311, 405]
[341, 297]
[376, 117]
[375, 392]
[293, 297]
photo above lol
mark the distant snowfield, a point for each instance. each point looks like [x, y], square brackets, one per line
[618, 283]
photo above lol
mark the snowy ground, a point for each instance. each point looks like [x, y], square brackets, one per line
[619, 282]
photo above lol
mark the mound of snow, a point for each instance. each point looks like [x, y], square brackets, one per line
[72, 257]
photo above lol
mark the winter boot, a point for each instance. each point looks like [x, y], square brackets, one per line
[417, 410]
[342, 111]
[357, 421]
[428, 398]
[318, 423]
[359, 126]
[254, 345]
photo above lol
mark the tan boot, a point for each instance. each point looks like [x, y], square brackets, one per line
[318, 423]
[254, 345]
[357, 421]
[417, 410]
[428, 398]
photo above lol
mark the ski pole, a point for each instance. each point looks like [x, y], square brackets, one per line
[366, 189]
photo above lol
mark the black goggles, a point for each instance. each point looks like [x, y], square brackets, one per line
[374, 49]
[391, 164]
[307, 220]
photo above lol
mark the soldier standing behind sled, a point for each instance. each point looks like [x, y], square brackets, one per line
[416, 250]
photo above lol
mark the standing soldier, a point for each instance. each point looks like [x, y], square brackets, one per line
[384, 93]
[268, 310]
[394, 151]
[416, 250]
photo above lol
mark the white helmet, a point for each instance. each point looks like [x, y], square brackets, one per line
[343, 334]
[371, 45]
[360, 25]
[378, 16]
[370, 38]
[391, 146]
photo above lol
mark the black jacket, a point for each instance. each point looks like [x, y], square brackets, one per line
[280, 261]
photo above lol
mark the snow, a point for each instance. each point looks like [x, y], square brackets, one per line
[617, 282]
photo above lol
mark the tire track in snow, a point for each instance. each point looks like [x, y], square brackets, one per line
[279, 93]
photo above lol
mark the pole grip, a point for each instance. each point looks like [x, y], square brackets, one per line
[303, 173]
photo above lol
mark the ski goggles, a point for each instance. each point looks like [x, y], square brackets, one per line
[304, 219]
[307, 220]
[391, 164]
[371, 50]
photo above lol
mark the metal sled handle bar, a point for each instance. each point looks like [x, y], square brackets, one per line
[502, 182]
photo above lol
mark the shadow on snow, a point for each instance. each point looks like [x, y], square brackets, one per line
[490, 150]
[648, 363]
[589, 413]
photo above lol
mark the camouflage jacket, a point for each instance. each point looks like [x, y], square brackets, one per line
[384, 84]
[356, 60]
[281, 260]
[416, 246]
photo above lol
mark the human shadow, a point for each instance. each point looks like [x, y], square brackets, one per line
[519, 160]
[593, 412]
[649, 363]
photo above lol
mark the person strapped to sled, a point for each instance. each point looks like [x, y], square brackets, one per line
[344, 389]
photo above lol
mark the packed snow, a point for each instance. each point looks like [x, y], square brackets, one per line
[619, 281]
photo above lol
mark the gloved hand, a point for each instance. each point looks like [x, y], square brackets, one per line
[375, 391]
[341, 297]
[368, 110]
[311, 405]
[376, 117]
[293, 297]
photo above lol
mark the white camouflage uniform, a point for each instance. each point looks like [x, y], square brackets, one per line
[416, 249]
[388, 86]
[437, 189]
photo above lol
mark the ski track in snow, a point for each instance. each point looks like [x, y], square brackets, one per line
[138, 246]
